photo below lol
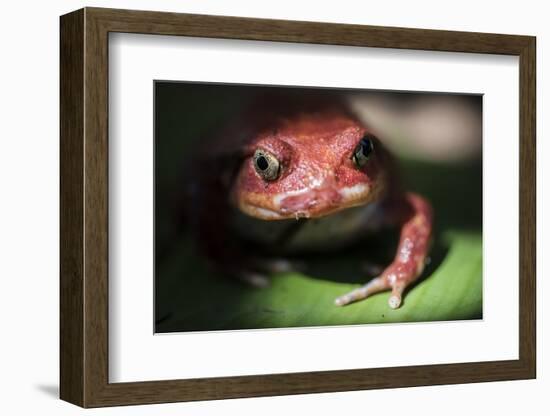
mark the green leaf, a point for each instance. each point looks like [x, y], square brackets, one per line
[194, 300]
[190, 297]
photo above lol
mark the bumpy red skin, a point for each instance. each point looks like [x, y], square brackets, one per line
[412, 250]
[413, 243]
[414, 214]
[308, 152]
[314, 149]
[314, 142]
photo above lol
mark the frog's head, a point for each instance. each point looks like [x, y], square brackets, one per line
[308, 166]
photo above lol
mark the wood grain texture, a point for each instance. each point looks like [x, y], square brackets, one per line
[527, 208]
[71, 100]
[84, 207]
[162, 23]
[96, 228]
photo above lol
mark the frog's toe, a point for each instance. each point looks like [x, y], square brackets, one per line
[396, 294]
[344, 299]
[394, 301]
[375, 285]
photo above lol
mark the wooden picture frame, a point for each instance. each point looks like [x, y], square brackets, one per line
[84, 207]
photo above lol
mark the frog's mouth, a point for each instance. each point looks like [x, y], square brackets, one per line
[306, 203]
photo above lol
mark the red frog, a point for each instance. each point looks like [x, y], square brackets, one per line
[301, 173]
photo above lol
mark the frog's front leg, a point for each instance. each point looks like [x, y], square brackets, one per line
[409, 261]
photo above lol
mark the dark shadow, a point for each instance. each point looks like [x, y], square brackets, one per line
[364, 260]
[356, 263]
[51, 390]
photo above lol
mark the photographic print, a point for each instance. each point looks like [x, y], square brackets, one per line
[288, 202]
[280, 207]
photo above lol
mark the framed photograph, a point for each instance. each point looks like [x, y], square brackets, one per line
[257, 207]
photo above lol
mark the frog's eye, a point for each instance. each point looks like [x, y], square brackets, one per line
[267, 165]
[363, 151]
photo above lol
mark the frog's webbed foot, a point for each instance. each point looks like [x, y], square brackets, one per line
[409, 261]
[376, 285]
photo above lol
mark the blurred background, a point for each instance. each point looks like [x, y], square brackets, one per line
[437, 140]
